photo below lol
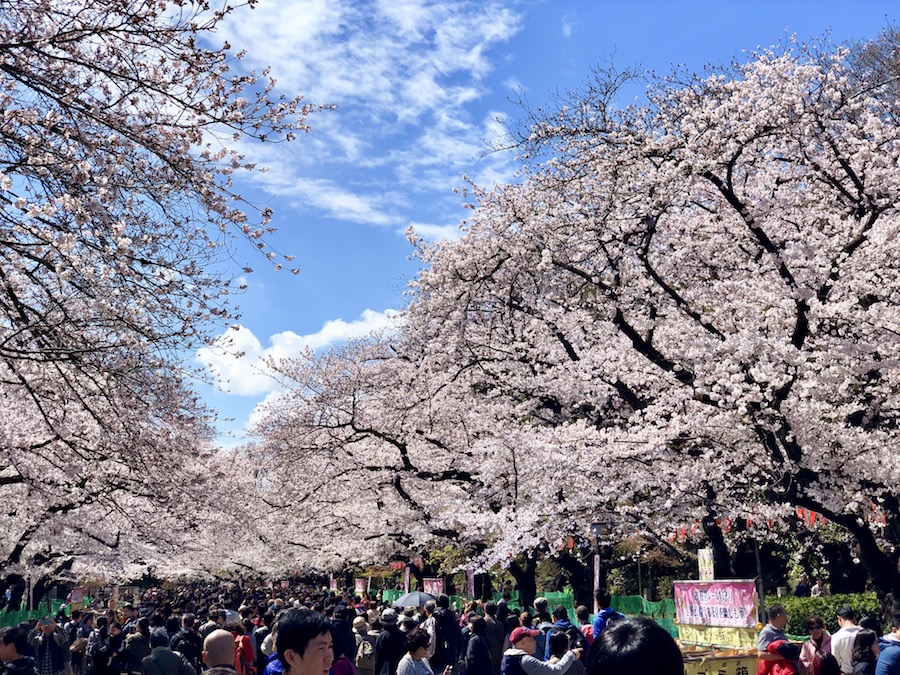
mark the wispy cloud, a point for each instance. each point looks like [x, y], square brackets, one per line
[238, 360]
[405, 75]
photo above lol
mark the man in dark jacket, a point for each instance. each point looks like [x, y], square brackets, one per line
[446, 636]
[494, 634]
[162, 660]
[390, 645]
[188, 642]
[13, 644]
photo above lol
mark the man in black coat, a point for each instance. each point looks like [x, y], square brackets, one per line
[390, 646]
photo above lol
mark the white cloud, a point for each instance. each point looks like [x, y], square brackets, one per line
[435, 232]
[239, 361]
[406, 76]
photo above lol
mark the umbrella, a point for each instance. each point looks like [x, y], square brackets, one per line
[414, 599]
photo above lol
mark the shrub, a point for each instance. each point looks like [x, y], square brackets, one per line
[798, 609]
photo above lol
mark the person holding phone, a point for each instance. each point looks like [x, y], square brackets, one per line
[51, 644]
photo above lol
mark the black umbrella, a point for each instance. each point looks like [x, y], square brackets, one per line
[414, 599]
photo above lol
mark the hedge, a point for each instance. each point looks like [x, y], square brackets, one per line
[799, 609]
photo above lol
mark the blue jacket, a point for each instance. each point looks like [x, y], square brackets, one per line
[603, 617]
[889, 659]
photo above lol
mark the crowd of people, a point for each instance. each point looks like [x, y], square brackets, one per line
[303, 631]
[857, 647]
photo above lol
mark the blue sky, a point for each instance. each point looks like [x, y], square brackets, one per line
[421, 89]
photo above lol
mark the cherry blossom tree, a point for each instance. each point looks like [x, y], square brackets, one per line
[686, 310]
[706, 285]
[117, 219]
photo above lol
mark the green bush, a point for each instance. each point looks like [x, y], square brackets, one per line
[799, 609]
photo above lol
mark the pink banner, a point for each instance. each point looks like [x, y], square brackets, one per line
[433, 586]
[359, 586]
[332, 584]
[406, 581]
[716, 603]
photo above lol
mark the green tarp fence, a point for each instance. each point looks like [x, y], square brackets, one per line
[663, 612]
[9, 619]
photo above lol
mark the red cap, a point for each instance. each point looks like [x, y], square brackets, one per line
[519, 633]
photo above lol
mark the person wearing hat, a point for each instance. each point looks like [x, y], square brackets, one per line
[518, 660]
[390, 645]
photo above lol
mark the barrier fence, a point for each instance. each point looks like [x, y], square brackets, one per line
[663, 612]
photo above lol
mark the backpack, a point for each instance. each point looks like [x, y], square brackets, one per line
[365, 654]
[446, 638]
[575, 638]
[182, 643]
[244, 658]
[541, 641]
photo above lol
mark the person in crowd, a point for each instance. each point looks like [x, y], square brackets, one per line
[342, 665]
[360, 628]
[219, 650]
[519, 659]
[562, 624]
[137, 646]
[216, 620]
[390, 645]
[512, 622]
[820, 590]
[415, 660]
[188, 642]
[162, 660]
[632, 646]
[889, 646]
[864, 652]
[245, 654]
[542, 610]
[818, 648]
[429, 625]
[260, 633]
[583, 615]
[365, 652]
[304, 643]
[494, 634]
[605, 614]
[446, 635]
[464, 634]
[51, 645]
[13, 646]
[559, 644]
[129, 619]
[772, 647]
[802, 589]
[478, 653]
[870, 623]
[503, 607]
[842, 641]
[78, 646]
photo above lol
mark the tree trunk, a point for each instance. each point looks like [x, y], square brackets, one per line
[525, 580]
[580, 577]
